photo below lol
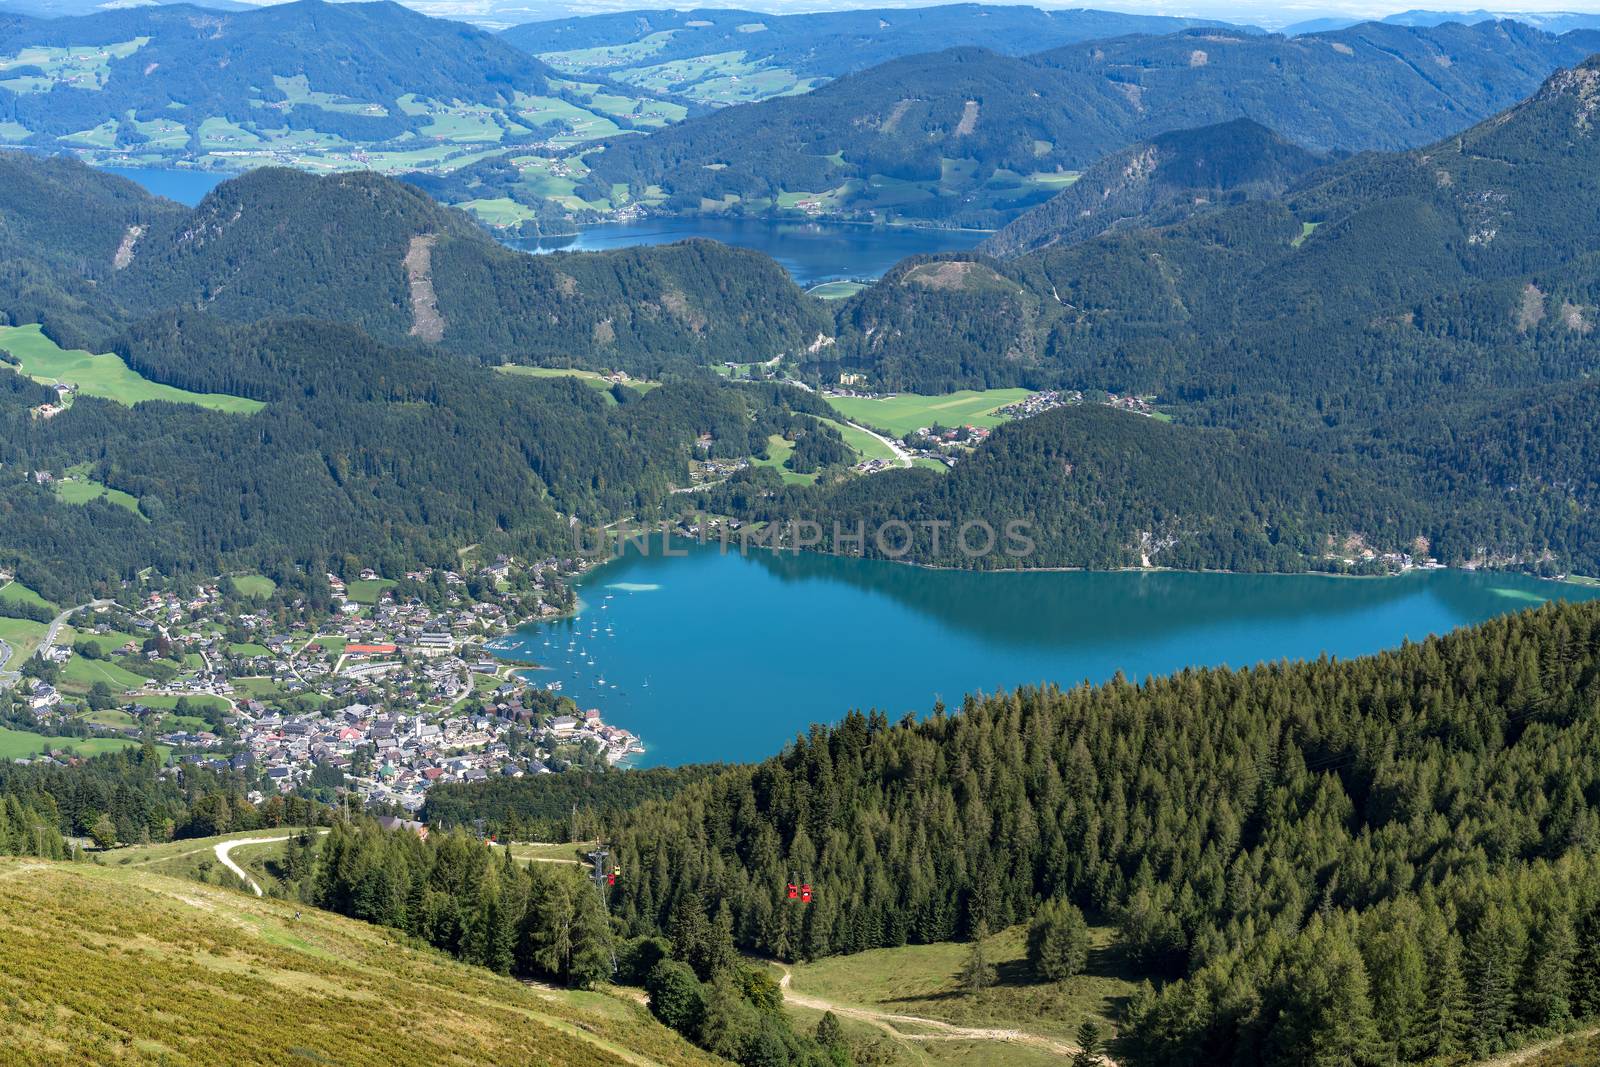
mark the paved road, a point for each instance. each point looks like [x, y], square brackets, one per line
[9, 678]
[61, 620]
[888, 442]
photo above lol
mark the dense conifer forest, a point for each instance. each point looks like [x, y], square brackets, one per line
[1385, 860]
[395, 454]
[1159, 182]
[1331, 383]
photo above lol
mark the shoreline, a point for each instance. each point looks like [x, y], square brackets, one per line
[734, 548]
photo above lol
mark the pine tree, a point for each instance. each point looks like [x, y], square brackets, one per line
[593, 953]
[978, 972]
[1586, 963]
[1493, 957]
[830, 1035]
[1090, 1046]
[1399, 982]
[1058, 941]
[1447, 1017]
[1322, 1004]
[1544, 993]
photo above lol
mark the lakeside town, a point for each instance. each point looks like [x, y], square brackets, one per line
[387, 689]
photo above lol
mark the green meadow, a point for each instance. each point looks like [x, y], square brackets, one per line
[779, 449]
[80, 489]
[17, 593]
[902, 413]
[22, 637]
[836, 290]
[164, 969]
[923, 981]
[103, 375]
[106, 643]
[19, 744]
[81, 675]
[368, 590]
[865, 445]
[254, 586]
[588, 377]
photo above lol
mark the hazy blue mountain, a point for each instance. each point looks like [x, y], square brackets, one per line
[721, 56]
[1549, 21]
[971, 136]
[328, 86]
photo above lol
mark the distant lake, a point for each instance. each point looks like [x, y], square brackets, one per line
[812, 252]
[184, 186]
[714, 657]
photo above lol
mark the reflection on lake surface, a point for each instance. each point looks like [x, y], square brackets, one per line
[712, 657]
[811, 252]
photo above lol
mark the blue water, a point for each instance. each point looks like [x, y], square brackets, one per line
[727, 658]
[185, 186]
[811, 252]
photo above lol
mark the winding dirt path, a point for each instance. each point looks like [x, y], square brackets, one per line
[939, 1030]
[223, 848]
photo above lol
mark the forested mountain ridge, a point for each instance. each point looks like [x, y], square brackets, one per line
[969, 123]
[60, 224]
[1423, 319]
[1388, 255]
[376, 253]
[721, 56]
[395, 455]
[1104, 489]
[1159, 182]
[1383, 860]
[293, 292]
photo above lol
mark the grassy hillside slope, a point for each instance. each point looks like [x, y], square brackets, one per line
[119, 965]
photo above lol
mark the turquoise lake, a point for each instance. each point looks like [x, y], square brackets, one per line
[811, 252]
[184, 186]
[713, 657]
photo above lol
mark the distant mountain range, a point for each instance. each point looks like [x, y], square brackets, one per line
[720, 56]
[1427, 315]
[1398, 346]
[325, 86]
[970, 136]
[1549, 21]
